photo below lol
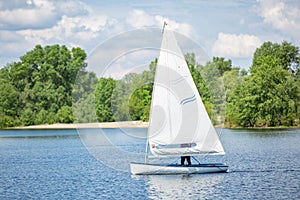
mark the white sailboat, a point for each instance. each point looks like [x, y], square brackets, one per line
[179, 124]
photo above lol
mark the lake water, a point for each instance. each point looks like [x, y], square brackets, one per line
[60, 164]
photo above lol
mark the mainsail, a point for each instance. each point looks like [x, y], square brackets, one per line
[179, 123]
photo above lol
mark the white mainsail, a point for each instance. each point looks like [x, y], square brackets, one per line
[179, 124]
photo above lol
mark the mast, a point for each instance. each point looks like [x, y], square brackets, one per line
[165, 24]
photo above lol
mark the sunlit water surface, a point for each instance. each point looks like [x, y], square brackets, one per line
[60, 164]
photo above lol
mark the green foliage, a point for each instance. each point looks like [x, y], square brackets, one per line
[213, 83]
[285, 55]
[8, 98]
[84, 109]
[222, 64]
[232, 81]
[38, 88]
[270, 95]
[64, 115]
[83, 97]
[139, 104]
[103, 96]
[132, 96]
[50, 85]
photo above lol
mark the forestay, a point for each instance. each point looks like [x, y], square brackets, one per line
[179, 123]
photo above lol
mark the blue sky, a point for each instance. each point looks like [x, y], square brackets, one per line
[227, 28]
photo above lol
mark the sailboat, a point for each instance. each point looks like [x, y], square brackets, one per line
[179, 124]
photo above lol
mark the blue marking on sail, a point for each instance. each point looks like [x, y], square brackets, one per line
[189, 99]
[176, 81]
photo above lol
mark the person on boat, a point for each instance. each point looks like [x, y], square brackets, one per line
[187, 158]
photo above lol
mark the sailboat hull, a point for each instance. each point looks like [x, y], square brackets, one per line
[156, 169]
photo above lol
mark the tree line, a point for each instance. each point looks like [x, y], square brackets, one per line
[38, 88]
[52, 85]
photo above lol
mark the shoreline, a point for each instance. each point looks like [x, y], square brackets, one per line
[124, 124]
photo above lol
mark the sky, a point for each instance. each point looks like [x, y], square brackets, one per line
[226, 28]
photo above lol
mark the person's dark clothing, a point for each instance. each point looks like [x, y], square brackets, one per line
[187, 158]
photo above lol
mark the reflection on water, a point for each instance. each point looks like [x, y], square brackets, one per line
[183, 186]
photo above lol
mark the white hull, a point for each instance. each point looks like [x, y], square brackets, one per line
[152, 169]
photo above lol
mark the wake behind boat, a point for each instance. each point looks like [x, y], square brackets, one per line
[179, 124]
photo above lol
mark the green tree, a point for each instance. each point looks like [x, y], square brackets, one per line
[214, 84]
[120, 101]
[103, 95]
[84, 109]
[286, 55]
[222, 64]
[8, 103]
[42, 83]
[270, 95]
[132, 96]
[65, 115]
[83, 97]
[232, 79]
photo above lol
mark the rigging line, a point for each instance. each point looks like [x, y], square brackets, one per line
[146, 153]
[196, 160]
[174, 162]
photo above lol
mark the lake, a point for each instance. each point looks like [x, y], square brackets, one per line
[94, 164]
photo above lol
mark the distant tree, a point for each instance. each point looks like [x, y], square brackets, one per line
[270, 95]
[8, 103]
[103, 96]
[231, 79]
[222, 64]
[41, 83]
[285, 55]
[215, 88]
[120, 101]
[83, 97]
[65, 115]
[84, 109]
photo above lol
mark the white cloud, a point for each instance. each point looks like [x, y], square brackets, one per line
[13, 4]
[40, 14]
[8, 36]
[139, 19]
[281, 15]
[68, 22]
[130, 50]
[11, 43]
[72, 8]
[235, 46]
[78, 31]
